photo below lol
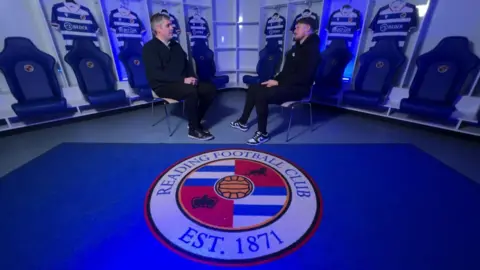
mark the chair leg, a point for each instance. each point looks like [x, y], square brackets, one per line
[152, 107]
[168, 120]
[311, 116]
[290, 122]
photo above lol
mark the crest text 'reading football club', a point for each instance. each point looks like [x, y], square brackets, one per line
[233, 207]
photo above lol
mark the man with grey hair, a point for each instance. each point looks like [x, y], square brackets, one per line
[170, 75]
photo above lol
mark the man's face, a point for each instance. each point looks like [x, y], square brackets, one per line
[301, 31]
[165, 29]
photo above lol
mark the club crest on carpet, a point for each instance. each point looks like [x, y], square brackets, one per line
[233, 207]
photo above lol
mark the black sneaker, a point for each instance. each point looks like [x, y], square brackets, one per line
[199, 135]
[258, 138]
[201, 127]
[238, 125]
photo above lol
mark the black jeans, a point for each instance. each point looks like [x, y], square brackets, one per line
[260, 97]
[197, 98]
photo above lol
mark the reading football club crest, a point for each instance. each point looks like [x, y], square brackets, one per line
[90, 64]
[28, 68]
[136, 62]
[442, 69]
[379, 64]
[233, 207]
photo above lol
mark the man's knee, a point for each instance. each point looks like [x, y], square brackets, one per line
[207, 90]
[190, 92]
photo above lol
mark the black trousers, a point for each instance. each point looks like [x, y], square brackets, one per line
[260, 97]
[197, 98]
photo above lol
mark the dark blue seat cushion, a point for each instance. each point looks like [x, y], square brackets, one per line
[427, 108]
[329, 77]
[270, 59]
[376, 74]
[94, 72]
[249, 79]
[131, 58]
[440, 77]
[41, 107]
[106, 97]
[30, 75]
[364, 99]
[221, 80]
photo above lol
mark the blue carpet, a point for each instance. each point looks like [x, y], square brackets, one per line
[81, 206]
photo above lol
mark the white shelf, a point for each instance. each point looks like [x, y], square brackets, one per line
[167, 2]
[247, 70]
[204, 6]
[225, 23]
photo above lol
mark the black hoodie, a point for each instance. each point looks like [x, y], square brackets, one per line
[301, 64]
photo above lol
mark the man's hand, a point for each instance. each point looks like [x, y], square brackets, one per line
[270, 83]
[190, 80]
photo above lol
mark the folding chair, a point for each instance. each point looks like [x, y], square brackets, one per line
[167, 101]
[293, 104]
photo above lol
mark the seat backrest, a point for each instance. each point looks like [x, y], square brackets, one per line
[378, 67]
[29, 72]
[131, 58]
[204, 61]
[270, 59]
[442, 72]
[332, 66]
[92, 67]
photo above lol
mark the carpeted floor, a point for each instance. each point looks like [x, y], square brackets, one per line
[377, 207]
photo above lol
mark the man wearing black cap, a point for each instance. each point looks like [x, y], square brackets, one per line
[292, 83]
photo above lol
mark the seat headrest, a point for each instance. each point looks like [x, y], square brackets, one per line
[132, 46]
[84, 44]
[454, 43]
[200, 45]
[20, 48]
[20, 45]
[338, 44]
[385, 46]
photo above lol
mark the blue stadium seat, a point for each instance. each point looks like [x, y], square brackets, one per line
[30, 75]
[205, 65]
[375, 77]
[131, 58]
[441, 74]
[329, 78]
[94, 72]
[270, 59]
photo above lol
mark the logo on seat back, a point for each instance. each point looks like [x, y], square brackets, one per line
[233, 207]
[379, 64]
[28, 68]
[90, 64]
[442, 68]
[270, 58]
[136, 62]
[202, 58]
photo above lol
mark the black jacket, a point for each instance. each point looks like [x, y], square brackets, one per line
[165, 64]
[301, 64]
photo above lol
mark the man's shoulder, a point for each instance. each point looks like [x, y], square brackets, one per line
[150, 45]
